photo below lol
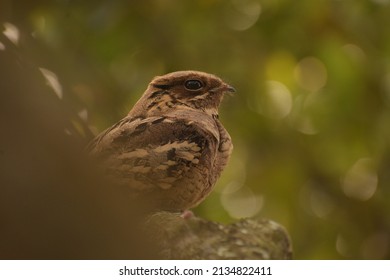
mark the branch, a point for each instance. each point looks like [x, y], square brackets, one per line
[195, 238]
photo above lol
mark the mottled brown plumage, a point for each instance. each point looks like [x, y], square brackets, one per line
[171, 148]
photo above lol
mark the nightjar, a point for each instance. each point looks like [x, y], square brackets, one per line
[171, 148]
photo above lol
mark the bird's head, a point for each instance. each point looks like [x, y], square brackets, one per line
[193, 89]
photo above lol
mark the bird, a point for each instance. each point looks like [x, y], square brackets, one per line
[171, 147]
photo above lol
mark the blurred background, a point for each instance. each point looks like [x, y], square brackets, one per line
[310, 120]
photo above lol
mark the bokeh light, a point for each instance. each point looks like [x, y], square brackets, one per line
[276, 101]
[311, 74]
[361, 180]
[243, 14]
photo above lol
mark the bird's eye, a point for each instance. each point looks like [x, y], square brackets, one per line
[193, 84]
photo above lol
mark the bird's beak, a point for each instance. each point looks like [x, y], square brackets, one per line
[229, 88]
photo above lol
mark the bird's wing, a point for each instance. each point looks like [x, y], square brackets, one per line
[156, 151]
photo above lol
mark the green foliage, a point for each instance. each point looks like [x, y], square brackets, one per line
[310, 121]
